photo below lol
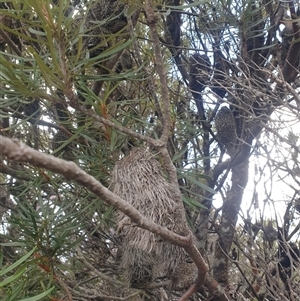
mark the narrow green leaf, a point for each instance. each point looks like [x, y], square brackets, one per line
[195, 181]
[179, 155]
[17, 263]
[46, 71]
[16, 291]
[37, 32]
[1, 258]
[114, 138]
[13, 244]
[40, 296]
[111, 51]
[14, 277]
[192, 202]
[108, 212]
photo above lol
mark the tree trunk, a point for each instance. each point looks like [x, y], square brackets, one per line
[230, 210]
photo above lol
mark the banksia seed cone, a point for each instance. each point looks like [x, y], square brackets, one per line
[226, 129]
[138, 179]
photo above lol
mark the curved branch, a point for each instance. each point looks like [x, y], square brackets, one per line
[16, 151]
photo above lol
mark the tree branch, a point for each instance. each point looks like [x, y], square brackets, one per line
[159, 66]
[19, 152]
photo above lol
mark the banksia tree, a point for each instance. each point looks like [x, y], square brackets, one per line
[90, 83]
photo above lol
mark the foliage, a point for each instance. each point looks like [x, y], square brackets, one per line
[83, 81]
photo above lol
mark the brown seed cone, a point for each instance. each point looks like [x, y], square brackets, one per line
[226, 129]
[139, 180]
